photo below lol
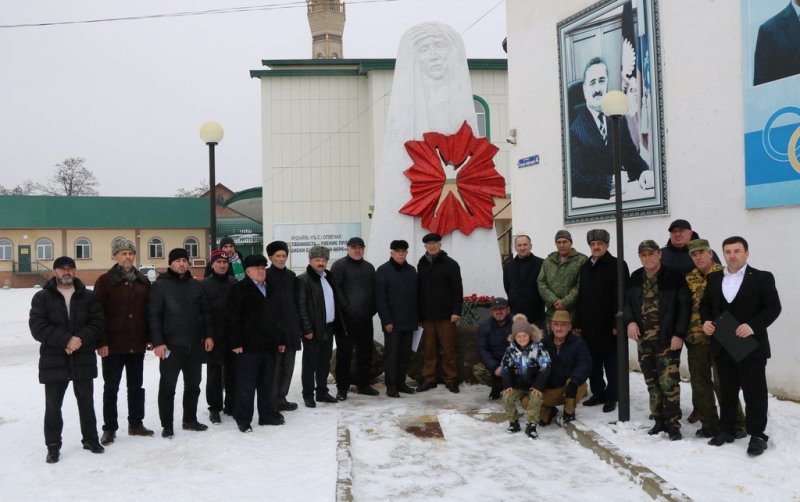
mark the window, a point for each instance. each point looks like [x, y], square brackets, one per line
[83, 249]
[44, 249]
[192, 247]
[6, 249]
[155, 248]
[482, 116]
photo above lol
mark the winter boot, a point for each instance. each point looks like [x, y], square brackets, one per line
[513, 427]
[53, 452]
[658, 427]
[530, 430]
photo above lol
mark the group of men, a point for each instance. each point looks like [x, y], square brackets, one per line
[677, 297]
[247, 322]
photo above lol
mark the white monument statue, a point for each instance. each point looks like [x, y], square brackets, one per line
[431, 92]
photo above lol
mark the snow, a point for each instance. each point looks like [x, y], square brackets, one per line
[472, 459]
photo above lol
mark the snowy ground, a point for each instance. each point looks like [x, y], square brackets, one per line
[473, 460]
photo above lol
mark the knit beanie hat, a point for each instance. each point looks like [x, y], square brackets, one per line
[226, 239]
[177, 253]
[520, 324]
[217, 255]
[565, 234]
[122, 245]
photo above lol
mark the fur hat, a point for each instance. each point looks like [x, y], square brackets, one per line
[598, 234]
[521, 324]
[122, 245]
[319, 252]
[177, 254]
[275, 246]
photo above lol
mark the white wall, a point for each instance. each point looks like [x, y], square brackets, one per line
[703, 115]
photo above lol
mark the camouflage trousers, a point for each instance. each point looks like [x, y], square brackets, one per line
[486, 377]
[661, 370]
[532, 407]
[705, 384]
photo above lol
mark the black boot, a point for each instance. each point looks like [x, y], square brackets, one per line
[530, 430]
[107, 438]
[658, 427]
[53, 452]
[513, 427]
[214, 417]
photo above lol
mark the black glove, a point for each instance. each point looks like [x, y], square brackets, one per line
[572, 390]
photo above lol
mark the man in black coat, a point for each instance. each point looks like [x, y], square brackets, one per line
[570, 366]
[67, 320]
[441, 295]
[492, 342]
[220, 363]
[676, 253]
[519, 281]
[355, 278]
[320, 319]
[181, 329]
[657, 310]
[595, 318]
[122, 292]
[396, 301]
[750, 297]
[281, 285]
[256, 334]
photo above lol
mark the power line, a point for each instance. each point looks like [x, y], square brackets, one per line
[230, 10]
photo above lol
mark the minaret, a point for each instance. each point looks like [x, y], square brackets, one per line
[326, 19]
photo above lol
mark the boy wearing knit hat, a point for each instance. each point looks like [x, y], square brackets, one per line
[524, 370]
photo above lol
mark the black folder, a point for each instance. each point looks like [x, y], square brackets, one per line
[725, 332]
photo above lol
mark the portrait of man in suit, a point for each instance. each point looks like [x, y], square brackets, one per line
[591, 143]
[750, 297]
[777, 53]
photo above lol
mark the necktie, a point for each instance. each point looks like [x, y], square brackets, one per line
[601, 119]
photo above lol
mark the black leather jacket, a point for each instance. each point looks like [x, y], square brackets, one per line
[311, 304]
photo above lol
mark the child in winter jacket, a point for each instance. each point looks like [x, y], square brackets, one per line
[524, 370]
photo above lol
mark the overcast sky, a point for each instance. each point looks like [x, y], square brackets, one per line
[130, 96]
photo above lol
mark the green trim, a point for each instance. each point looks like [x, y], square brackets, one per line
[332, 67]
[250, 193]
[39, 211]
[486, 110]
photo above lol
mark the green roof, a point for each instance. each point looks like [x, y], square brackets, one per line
[349, 67]
[35, 211]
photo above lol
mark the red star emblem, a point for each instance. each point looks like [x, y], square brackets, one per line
[453, 181]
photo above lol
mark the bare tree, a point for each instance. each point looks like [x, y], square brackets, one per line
[71, 178]
[197, 191]
[27, 187]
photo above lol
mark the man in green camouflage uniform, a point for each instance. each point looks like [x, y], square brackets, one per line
[558, 278]
[701, 366]
[657, 314]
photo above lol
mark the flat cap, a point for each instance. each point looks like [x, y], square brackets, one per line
[398, 244]
[356, 241]
[498, 303]
[63, 261]
[431, 237]
[680, 224]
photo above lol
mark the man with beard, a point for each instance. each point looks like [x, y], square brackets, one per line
[122, 291]
[493, 338]
[220, 362]
[181, 329]
[67, 320]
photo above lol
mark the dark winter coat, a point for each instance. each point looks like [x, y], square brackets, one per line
[124, 305]
[280, 285]
[254, 320]
[570, 361]
[674, 303]
[311, 304]
[356, 282]
[597, 303]
[217, 288]
[441, 292]
[525, 367]
[679, 258]
[492, 342]
[52, 327]
[519, 281]
[178, 311]
[396, 295]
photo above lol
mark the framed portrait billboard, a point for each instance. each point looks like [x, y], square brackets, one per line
[611, 45]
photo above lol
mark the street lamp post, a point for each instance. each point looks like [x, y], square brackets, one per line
[615, 105]
[211, 134]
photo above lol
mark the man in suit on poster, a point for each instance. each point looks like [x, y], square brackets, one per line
[777, 53]
[749, 295]
[590, 147]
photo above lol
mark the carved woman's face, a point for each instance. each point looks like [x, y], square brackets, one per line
[432, 53]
